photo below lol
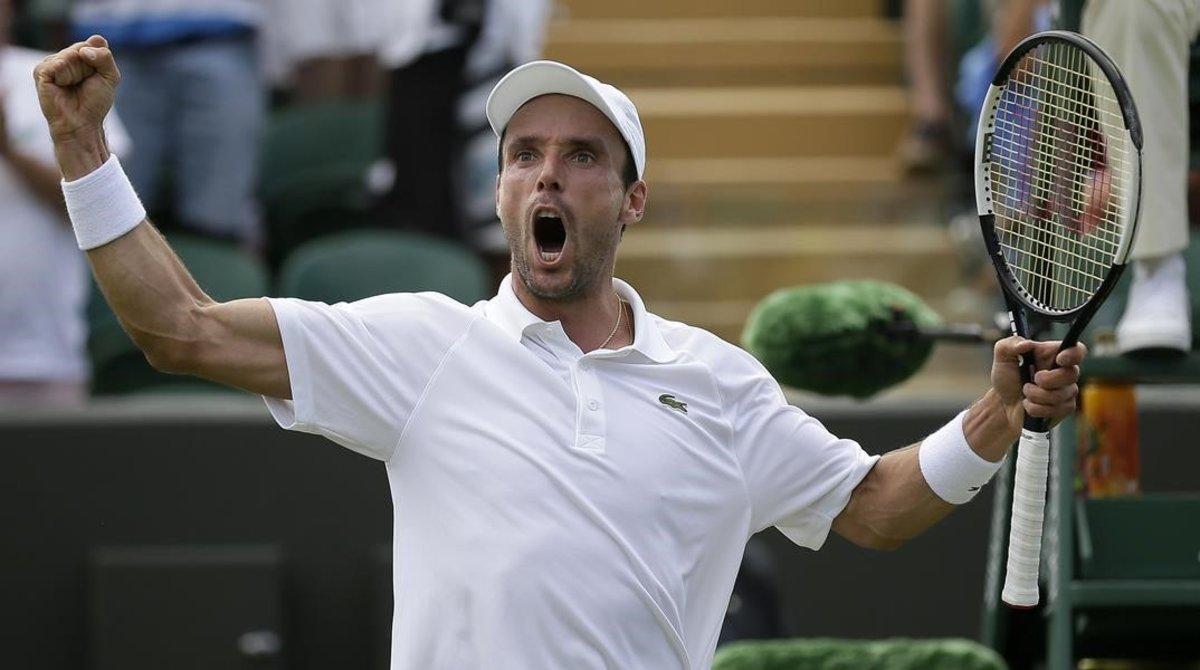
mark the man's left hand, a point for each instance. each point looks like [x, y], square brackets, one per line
[1052, 394]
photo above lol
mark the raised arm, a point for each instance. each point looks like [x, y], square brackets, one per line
[178, 327]
[895, 502]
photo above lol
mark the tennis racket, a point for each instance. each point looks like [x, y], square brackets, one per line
[1057, 177]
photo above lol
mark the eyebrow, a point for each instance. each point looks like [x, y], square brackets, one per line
[592, 142]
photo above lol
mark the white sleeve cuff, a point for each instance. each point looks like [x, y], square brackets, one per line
[951, 467]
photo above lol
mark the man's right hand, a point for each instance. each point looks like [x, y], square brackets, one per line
[76, 88]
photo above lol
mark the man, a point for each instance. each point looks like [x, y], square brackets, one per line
[43, 279]
[573, 478]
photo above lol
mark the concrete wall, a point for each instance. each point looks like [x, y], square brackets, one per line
[198, 474]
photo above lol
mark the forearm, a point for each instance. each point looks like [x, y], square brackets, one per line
[145, 283]
[896, 501]
[40, 178]
[152, 294]
[988, 427]
[893, 504]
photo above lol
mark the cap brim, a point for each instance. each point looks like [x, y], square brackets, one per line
[538, 78]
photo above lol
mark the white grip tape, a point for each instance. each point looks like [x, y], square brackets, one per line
[1028, 513]
[102, 205]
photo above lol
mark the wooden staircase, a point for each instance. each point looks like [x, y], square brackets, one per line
[770, 128]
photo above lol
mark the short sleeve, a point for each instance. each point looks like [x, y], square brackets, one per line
[799, 476]
[358, 370]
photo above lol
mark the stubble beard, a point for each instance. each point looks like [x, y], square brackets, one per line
[584, 271]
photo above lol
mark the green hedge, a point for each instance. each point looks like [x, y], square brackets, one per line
[830, 654]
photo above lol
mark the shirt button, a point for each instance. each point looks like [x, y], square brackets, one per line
[593, 405]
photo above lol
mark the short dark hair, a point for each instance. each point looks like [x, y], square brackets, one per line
[629, 175]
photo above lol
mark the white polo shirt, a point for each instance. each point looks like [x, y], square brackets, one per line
[555, 509]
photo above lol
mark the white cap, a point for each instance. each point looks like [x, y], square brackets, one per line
[542, 77]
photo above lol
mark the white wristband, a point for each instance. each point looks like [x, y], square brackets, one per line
[102, 205]
[951, 467]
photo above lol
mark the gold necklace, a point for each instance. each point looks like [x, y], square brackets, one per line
[620, 311]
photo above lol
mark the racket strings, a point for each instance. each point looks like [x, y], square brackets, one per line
[1114, 208]
[1086, 262]
[1104, 232]
[1059, 167]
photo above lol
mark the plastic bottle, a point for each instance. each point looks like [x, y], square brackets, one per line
[1108, 463]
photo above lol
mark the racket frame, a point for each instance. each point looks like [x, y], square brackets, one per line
[1021, 589]
[1015, 295]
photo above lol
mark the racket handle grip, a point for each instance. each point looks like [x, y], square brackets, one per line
[1028, 512]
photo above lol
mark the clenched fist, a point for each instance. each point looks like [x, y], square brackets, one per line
[76, 88]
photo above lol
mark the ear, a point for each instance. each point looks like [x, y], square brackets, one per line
[634, 206]
[497, 198]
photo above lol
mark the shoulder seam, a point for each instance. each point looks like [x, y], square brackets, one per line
[429, 384]
[732, 436]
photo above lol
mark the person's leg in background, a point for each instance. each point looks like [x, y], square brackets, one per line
[1150, 41]
[144, 103]
[926, 146]
[221, 99]
[421, 138]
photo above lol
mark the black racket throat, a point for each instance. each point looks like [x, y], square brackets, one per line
[1020, 307]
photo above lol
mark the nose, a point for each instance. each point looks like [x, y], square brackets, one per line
[550, 178]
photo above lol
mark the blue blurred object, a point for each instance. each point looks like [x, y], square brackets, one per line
[975, 72]
[977, 67]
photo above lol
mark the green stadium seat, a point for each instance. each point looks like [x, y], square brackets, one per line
[223, 270]
[822, 654]
[314, 164]
[359, 264]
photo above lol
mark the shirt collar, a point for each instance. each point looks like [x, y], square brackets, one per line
[507, 312]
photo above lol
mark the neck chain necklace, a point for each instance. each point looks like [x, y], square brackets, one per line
[620, 311]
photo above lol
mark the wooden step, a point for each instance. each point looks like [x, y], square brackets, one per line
[819, 172]
[714, 266]
[622, 9]
[756, 191]
[754, 122]
[752, 51]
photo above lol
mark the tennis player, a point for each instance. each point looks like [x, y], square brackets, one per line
[573, 478]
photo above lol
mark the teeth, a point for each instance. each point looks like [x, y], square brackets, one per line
[549, 255]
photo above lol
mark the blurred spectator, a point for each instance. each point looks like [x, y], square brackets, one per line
[1011, 22]
[43, 275]
[192, 94]
[1150, 41]
[929, 143]
[442, 57]
[926, 146]
[327, 48]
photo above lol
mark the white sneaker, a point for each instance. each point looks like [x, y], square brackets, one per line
[1157, 314]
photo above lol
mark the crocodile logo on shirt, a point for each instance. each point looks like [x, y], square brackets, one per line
[670, 401]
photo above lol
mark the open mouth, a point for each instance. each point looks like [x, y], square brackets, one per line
[550, 235]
